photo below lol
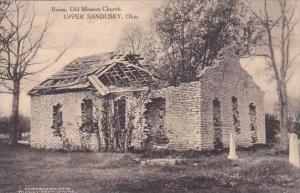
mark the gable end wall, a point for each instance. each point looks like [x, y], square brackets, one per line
[222, 82]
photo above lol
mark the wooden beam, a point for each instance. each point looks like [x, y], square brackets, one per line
[125, 74]
[102, 71]
[98, 85]
[110, 81]
[143, 69]
[130, 73]
[138, 71]
[128, 89]
[114, 68]
[56, 86]
[110, 73]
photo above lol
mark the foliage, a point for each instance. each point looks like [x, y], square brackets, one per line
[194, 33]
[186, 36]
[130, 126]
[297, 128]
[105, 124]
[272, 128]
[294, 110]
[117, 131]
[5, 124]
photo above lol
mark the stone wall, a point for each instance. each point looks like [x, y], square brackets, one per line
[189, 108]
[223, 82]
[187, 120]
[71, 138]
[182, 116]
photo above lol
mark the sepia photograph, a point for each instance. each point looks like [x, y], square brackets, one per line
[149, 96]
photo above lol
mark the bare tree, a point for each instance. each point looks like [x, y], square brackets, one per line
[137, 39]
[279, 31]
[21, 41]
[132, 39]
[4, 5]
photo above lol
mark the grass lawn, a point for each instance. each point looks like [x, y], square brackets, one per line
[256, 171]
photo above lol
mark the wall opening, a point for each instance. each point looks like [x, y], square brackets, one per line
[87, 116]
[217, 124]
[236, 115]
[106, 124]
[155, 117]
[57, 119]
[114, 124]
[253, 127]
[120, 131]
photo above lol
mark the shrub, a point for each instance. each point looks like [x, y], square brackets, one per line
[24, 123]
[272, 128]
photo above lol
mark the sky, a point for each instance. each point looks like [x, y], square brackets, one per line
[96, 36]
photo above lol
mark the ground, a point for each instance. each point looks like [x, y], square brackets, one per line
[255, 171]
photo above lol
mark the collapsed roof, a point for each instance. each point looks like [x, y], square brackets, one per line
[107, 72]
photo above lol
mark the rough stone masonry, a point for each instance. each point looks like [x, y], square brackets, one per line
[198, 115]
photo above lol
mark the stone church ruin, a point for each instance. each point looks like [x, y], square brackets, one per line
[107, 102]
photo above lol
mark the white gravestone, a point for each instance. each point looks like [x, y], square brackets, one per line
[294, 150]
[232, 149]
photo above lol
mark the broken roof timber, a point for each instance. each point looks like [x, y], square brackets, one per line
[143, 69]
[98, 85]
[128, 89]
[105, 67]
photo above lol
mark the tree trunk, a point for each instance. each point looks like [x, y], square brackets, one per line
[13, 134]
[19, 134]
[283, 108]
